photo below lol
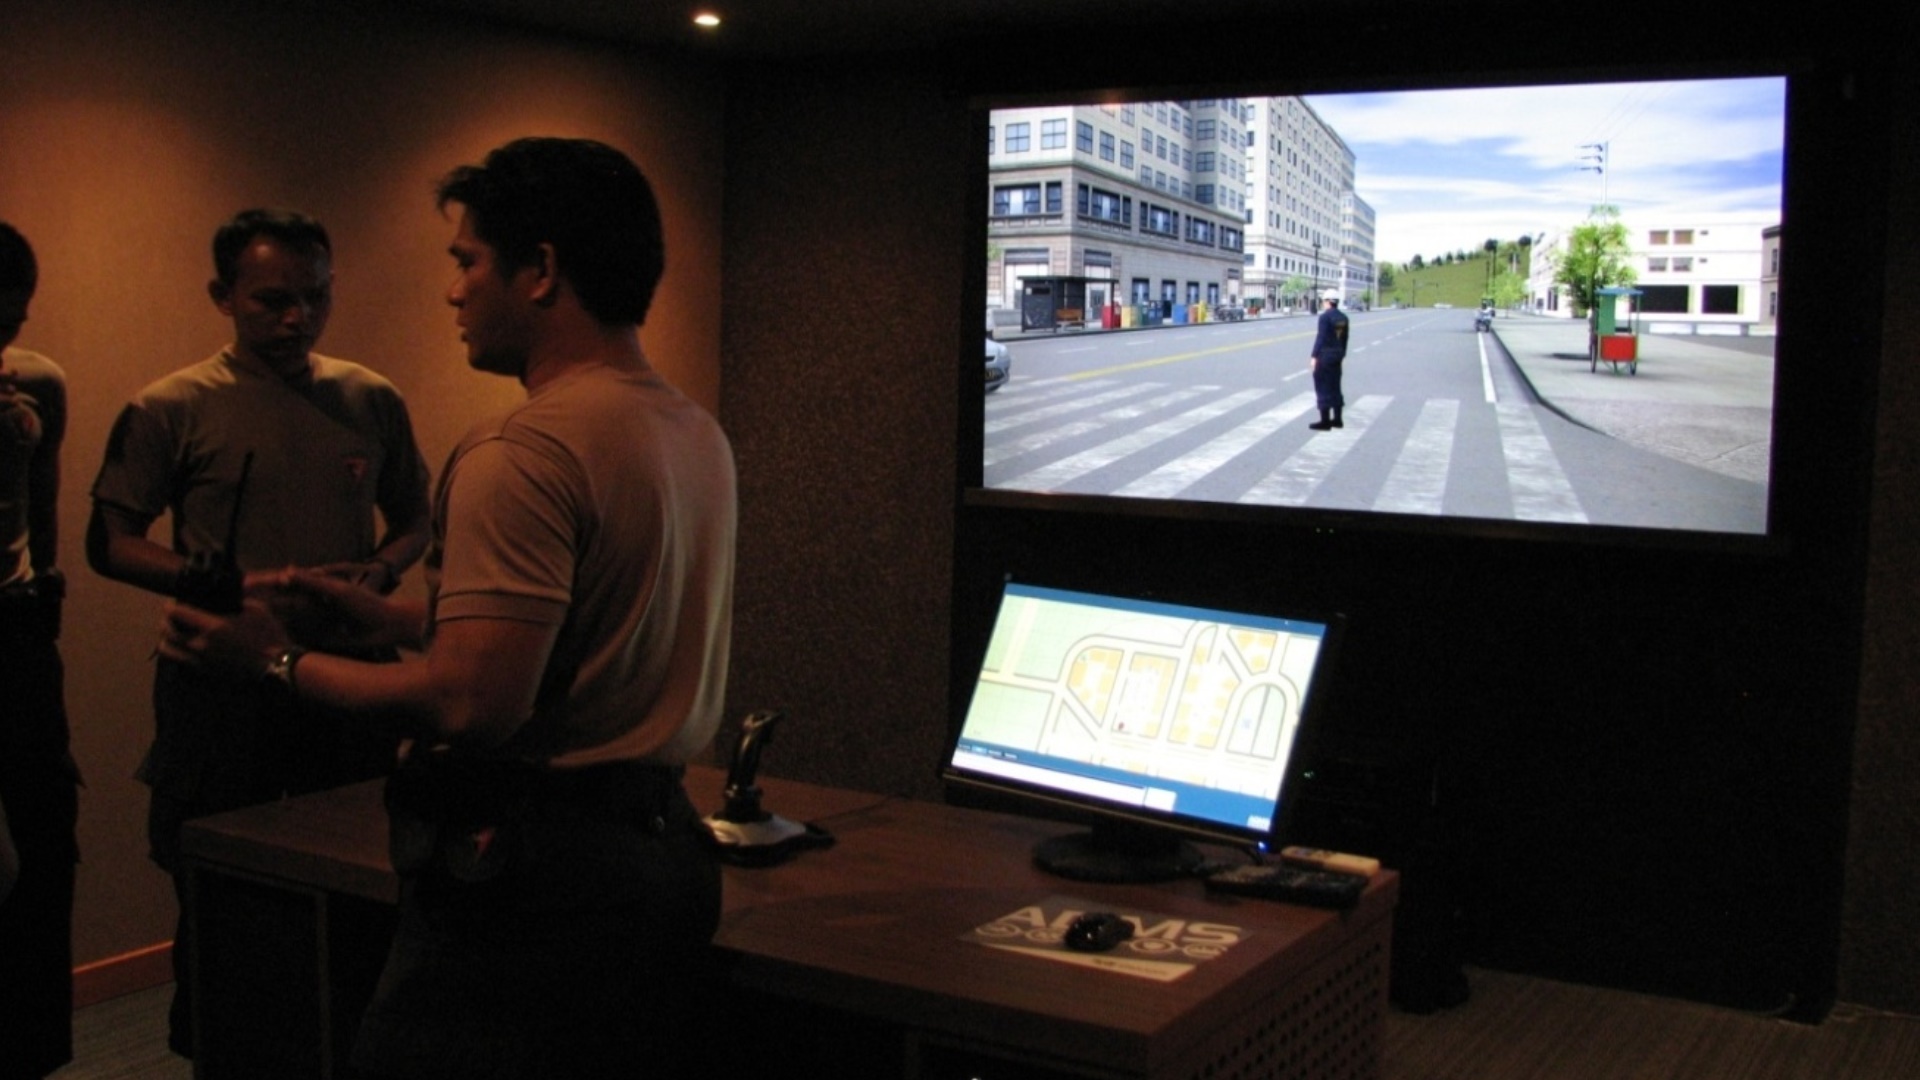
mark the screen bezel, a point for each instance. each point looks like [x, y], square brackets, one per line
[1087, 810]
[1783, 471]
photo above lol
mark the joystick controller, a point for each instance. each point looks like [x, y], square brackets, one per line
[743, 830]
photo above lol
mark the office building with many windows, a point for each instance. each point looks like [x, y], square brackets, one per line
[1146, 200]
[1308, 233]
[1699, 272]
[1358, 271]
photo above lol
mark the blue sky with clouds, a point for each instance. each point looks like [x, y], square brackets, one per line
[1447, 170]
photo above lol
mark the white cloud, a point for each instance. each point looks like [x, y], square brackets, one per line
[1448, 169]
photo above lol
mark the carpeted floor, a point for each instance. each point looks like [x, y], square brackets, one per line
[1514, 1028]
[125, 1039]
[1521, 1028]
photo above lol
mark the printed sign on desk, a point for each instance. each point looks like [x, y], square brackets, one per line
[1162, 948]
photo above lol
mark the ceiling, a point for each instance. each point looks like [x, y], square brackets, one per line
[826, 28]
[837, 27]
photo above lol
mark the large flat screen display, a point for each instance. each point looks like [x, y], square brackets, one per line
[1170, 718]
[1156, 270]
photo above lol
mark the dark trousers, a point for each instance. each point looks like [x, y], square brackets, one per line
[1326, 384]
[40, 788]
[549, 935]
[220, 745]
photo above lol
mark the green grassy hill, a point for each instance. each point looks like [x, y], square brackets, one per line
[1460, 283]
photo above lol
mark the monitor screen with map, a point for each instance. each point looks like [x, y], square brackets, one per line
[1162, 720]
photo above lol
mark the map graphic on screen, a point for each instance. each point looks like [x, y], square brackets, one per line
[1162, 708]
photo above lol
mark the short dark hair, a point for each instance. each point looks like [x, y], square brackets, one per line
[588, 200]
[292, 228]
[19, 270]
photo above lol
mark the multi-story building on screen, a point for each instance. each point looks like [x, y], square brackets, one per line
[1308, 233]
[1176, 203]
[1145, 199]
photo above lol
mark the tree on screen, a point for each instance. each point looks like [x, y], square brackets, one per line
[1596, 256]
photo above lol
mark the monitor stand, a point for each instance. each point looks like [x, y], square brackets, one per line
[1120, 854]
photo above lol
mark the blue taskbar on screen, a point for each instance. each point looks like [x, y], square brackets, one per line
[1116, 787]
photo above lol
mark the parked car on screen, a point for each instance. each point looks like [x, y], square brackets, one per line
[1229, 313]
[999, 365]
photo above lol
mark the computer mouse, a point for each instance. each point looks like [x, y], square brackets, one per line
[1097, 931]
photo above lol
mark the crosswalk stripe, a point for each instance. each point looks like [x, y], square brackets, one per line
[1418, 482]
[1048, 436]
[1415, 480]
[1058, 401]
[1296, 479]
[1540, 488]
[1183, 472]
[1049, 477]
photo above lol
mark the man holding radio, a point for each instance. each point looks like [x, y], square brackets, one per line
[558, 887]
[265, 455]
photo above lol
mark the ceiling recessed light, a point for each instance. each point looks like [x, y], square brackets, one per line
[706, 19]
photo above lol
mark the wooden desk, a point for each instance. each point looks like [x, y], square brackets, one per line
[869, 943]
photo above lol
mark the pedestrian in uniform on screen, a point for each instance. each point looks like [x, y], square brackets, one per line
[1328, 356]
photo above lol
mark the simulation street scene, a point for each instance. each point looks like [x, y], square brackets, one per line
[1558, 302]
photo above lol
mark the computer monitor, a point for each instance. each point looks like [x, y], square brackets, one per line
[1160, 720]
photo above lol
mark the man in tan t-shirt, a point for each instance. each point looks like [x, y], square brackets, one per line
[558, 890]
[293, 458]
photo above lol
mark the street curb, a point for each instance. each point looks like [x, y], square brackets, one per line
[1520, 370]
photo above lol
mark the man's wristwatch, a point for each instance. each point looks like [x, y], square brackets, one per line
[389, 577]
[280, 668]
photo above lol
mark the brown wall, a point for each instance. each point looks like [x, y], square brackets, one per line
[127, 132]
[840, 395]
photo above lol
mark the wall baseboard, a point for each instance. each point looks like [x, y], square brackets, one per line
[115, 976]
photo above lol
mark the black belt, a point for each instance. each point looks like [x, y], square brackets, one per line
[459, 789]
[51, 585]
[629, 791]
[466, 826]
